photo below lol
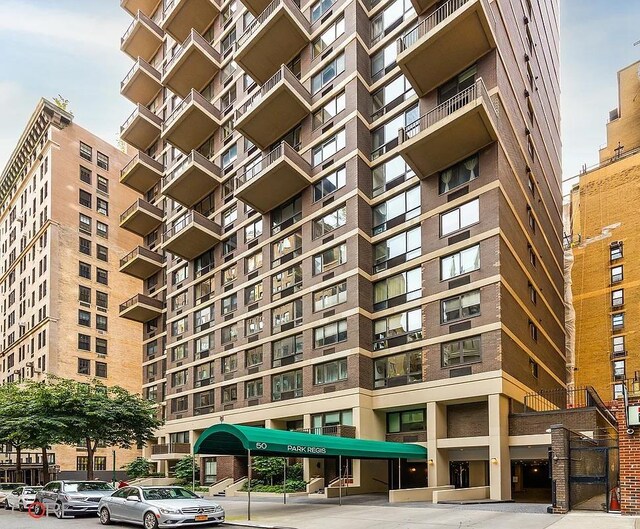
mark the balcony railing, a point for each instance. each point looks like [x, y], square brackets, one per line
[194, 157]
[171, 448]
[141, 157]
[141, 251]
[193, 97]
[566, 398]
[284, 149]
[141, 17]
[195, 38]
[193, 217]
[140, 64]
[8, 459]
[338, 430]
[435, 18]
[268, 11]
[141, 299]
[144, 111]
[139, 204]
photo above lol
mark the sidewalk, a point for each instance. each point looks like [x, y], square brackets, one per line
[373, 513]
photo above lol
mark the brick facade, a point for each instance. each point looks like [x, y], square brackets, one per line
[629, 449]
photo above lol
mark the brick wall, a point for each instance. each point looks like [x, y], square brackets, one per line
[629, 446]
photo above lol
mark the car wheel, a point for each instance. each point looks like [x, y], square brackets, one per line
[6, 505]
[150, 521]
[105, 516]
[37, 508]
[57, 510]
[21, 507]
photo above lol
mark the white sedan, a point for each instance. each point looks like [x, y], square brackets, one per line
[22, 497]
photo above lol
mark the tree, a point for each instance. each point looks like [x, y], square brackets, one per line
[62, 103]
[98, 414]
[268, 467]
[184, 469]
[138, 468]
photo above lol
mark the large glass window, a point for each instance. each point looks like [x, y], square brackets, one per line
[397, 289]
[329, 110]
[253, 389]
[460, 217]
[328, 73]
[460, 307]
[330, 259]
[286, 316]
[329, 147]
[330, 296]
[383, 61]
[203, 318]
[390, 96]
[385, 137]
[253, 262]
[330, 222]
[406, 421]
[286, 282]
[389, 174]
[397, 249]
[286, 249]
[460, 263]
[330, 334]
[397, 329]
[253, 293]
[286, 215]
[203, 402]
[330, 372]
[287, 350]
[398, 370]
[388, 20]
[253, 357]
[203, 346]
[459, 174]
[204, 374]
[396, 210]
[286, 385]
[461, 352]
[329, 184]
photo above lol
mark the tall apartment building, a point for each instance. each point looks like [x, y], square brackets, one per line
[362, 225]
[604, 237]
[59, 280]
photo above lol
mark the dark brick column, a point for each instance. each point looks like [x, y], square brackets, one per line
[629, 447]
[560, 468]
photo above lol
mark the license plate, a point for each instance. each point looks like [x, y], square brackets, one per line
[201, 518]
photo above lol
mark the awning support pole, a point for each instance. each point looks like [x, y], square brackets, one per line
[284, 483]
[340, 479]
[399, 475]
[249, 488]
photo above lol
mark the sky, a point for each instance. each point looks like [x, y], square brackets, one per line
[72, 48]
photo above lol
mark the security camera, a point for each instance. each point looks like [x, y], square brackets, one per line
[630, 431]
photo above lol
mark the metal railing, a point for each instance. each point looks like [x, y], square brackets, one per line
[140, 204]
[141, 251]
[26, 458]
[564, 399]
[193, 38]
[141, 158]
[194, 157]
[338, 430]
[283, 74]
[140, 64]
[268, 11]
[144, 111]
[476, 91]
[193, 97]
[171, 448]
[141, 298]
[193, 217]
[282, 150]
[141, 18]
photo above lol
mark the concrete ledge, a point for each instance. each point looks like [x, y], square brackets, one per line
[232, 489]
[472, 493]
[268, 494]
[315, 485]
[219, 487]
[420, 494]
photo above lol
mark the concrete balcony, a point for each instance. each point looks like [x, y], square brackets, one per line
[281, 104]
[133, 6]
[142, 83]
[141, 218]
[191, 180]
[192, 122]
[142, 38]
[170, 451]
[192, 66]
[141, 129]
[451, 132]
[141, 308]
[141, 263]
[181, 16]
[193, 235]
[274, 179]
[338, 430]
[449, 40]
[141, 173]
[274, 38]
[255, 7]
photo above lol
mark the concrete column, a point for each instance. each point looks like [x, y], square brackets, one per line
[307, 464]
[499, 458]
[438, 471]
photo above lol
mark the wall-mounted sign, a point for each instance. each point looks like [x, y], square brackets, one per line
[634, 415]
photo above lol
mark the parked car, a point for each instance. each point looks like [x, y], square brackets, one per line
[5, 489]
[155, 507]
[71, 498]
[22, 497]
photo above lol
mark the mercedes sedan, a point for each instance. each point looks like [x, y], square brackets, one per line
[155, 507]
[22, 497]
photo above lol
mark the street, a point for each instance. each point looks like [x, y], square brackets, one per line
[368, 512]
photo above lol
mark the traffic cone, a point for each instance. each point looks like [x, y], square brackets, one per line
[614, 503]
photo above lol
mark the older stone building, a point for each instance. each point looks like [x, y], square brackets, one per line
[59, 281]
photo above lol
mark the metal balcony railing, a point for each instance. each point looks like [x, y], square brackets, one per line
[144, 158]
[141, 17]
[193, 97]
[171, 448]
[144, 111]
[268, 11]
[140, 64]
[141, 251]
[194, 157]
[141, 298]
[258, 167]
[139, 204]
[193, 217]
[338, 430]
[196, 38]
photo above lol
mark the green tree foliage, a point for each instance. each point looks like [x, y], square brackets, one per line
[138, 468]
[269, 468]
[184, 469]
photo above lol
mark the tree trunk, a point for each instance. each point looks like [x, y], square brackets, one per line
[45, 465]
[18, 462]
[90, 452]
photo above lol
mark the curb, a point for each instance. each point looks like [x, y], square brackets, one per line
[257, 526]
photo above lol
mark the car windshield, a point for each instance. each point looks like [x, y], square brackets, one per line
[82, 486]
[10, 486]
[31, 490]
[168, 493]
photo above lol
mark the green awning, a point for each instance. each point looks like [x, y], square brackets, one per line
[236, 440]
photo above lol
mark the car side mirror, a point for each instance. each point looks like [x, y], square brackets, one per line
[133, 498]
[15, 493]
[200, 495]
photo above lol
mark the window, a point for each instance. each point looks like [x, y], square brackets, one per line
[84, 294]
[101, 322]
[253, 325]
[82, 462]
[397, 289]
[229, 156]
[179, 352]
[617, 298]
[203, 345]
[229, 394]
[203, 264]
[398, 370]
[329, 184]
[203, 402]
[329, 72]
[328, 148]
[286, 385]
[102, 161]
[327, 37]
[84, 270]
[286, 249]
[533, 259]
[102, 230]
[320, 8]
[396, 210]
[460, 263]
[230, 363]
[84, 366]
[286, 282]
[102, 252]
[533, 331]
[390, 96]
[227, 43]
[330, 372]
[286, 316]
[180, 274]
[331, 333]
[397, 329]
[615, 250]
[179, 404]
[228, 11]
[616, 274]
[84, 318]
[459, 174]
[385, 137]
[253, 356]
[330, 259]
[458, 84]
[330, 296]
[406, 421]
[460, 307]
[85, 198]
[86, 151]
[102, 276]
[101, 372]
[388, 20]
[618, 346]
[84, 342]
[397, 249]
[287, 351]
[619, 370]
[461, 352]
[389, 174]
[85, 223]
[459, 218]
[102, 299]
[533, 367]
[179, 378]
[330, 222]
[331, 419]
[531, 219]
[101, 346]
[103, 184]
[253, 231]
[202, 318]
[329, 110]
[253, 262]
[383, 61]
[229, 304]
[617, 321]
[229, 274]
[253, 293]
[204, 374]
[229, 334]
[84, 246]
[230, 244]
[253, 389]
[229, 216]
[102, 206]
[85, 175]
[286, 215]
[533, 294]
